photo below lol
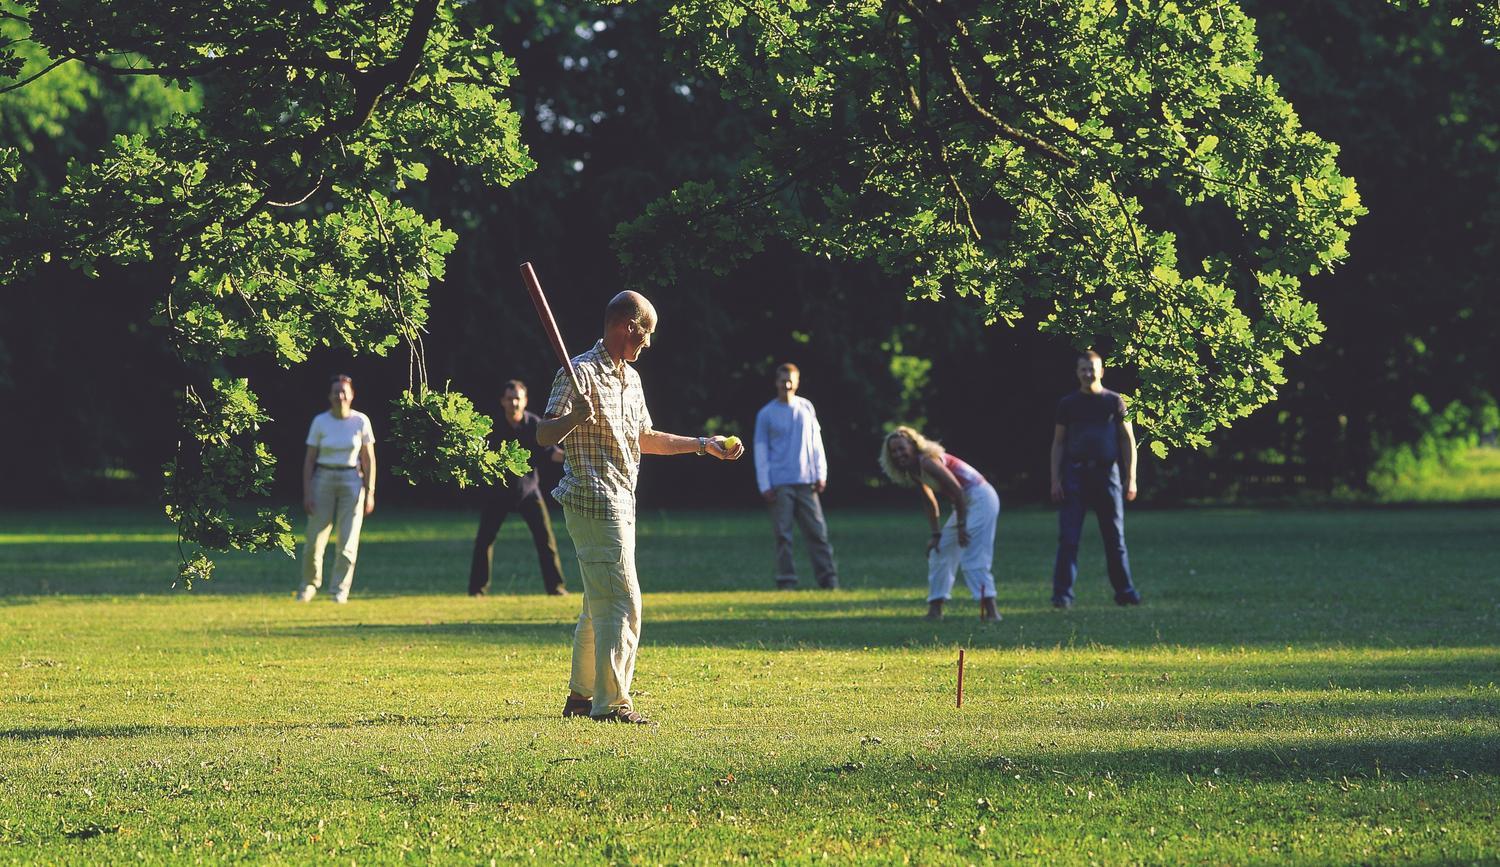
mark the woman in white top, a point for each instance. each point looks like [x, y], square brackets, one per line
[338, 487]
[967, 541]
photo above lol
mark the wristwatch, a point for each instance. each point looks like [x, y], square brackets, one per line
[702, 445]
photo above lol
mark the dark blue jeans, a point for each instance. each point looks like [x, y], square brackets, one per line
[1091, 486]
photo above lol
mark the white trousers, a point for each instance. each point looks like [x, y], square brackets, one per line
[338, 500]
[976, 558]
[609, 627]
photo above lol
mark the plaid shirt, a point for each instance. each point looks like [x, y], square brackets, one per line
[602, 458]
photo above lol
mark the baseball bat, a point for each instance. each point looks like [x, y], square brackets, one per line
[549, 325]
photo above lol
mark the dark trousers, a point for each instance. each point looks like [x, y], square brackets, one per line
[1091, 485]
[534, 511]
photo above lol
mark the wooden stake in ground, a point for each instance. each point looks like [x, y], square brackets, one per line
[960, 678]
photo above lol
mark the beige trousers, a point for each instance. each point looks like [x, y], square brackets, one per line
[338, 498]
[609, 627]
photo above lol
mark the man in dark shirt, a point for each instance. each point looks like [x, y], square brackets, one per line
[521, 495]
[1090, 442]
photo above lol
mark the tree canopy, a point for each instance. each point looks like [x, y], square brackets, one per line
[1123, 174]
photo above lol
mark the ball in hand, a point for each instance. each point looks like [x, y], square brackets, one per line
[730, 444]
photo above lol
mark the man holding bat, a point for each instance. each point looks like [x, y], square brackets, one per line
[599, 408]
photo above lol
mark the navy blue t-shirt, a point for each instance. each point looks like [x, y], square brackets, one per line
[1091, 421]
[525, 486]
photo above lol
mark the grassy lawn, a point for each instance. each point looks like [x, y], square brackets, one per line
[1299, 686]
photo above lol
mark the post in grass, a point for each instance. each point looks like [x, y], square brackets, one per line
[960, 678]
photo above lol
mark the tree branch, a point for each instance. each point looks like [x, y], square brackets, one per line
[46, 69]
[305, 196]
[920, 114]
[967, 99]
[370, 85]
[236, 63]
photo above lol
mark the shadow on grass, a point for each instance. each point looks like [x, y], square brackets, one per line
[1389, 759]
[872, 624]
[142, 730]
[1459, 756]
[841, 622]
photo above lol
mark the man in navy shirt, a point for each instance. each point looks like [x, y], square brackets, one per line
[1090, 443]
[521, 495]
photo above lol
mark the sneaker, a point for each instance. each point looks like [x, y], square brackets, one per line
[1060, 603]
[934, 609]
[558, 591]
[577, 707]
[786, 584]
[341, 598]
[307, 593]
[622, 715]
[1130, 597]
[988, 613]
[830, 584]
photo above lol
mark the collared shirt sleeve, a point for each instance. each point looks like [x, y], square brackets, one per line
[762, 451]
[560, 401]
[646, 424]
[366, 432]
[314, 437]
[819, 456]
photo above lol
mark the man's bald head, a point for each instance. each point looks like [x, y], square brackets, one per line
[632, 307]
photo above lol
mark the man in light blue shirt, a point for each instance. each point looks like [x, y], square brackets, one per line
[792, 470]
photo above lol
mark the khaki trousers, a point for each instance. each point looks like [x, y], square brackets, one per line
[338, 499]
[800, 504]
[609, 627]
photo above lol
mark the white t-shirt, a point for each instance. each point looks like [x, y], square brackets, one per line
[339, 440]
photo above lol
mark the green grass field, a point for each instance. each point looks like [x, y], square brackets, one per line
[1299, 686]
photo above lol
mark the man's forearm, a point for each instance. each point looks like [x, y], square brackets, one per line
[1127, 455]
[551, 431]
[369, 473]
[1057, 455]
[658, 443]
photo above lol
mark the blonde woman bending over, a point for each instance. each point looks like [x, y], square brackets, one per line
[967, 541]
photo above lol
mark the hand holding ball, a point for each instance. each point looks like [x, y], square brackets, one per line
[726, 448]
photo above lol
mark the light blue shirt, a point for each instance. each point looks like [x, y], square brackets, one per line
[789, 445]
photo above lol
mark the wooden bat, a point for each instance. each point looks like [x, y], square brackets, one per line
[549, 325]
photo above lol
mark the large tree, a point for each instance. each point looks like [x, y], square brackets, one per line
[1124, 174]
[276, 205]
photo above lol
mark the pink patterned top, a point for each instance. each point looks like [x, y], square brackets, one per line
[967, 476]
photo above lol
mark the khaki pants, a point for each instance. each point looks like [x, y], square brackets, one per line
[609, 627]
[800, 503]
[338, 498]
